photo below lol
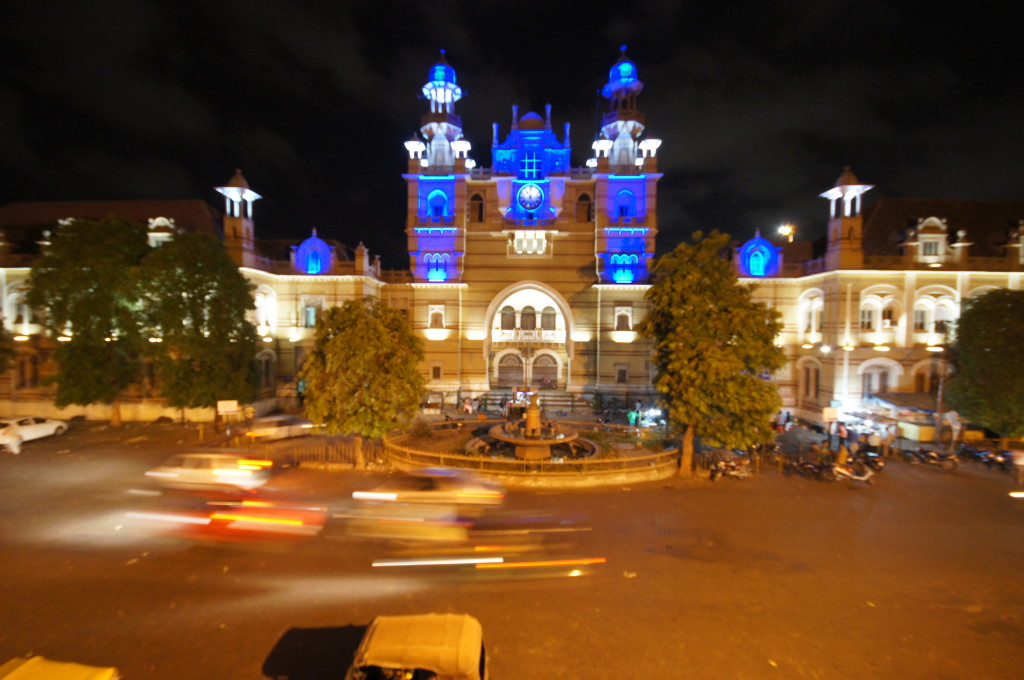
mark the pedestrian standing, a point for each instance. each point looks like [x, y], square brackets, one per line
[842, 455]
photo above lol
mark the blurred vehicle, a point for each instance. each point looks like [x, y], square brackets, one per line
[436, 485]
[36, 428]
[39, 668]
[271, 428]
[10, 438]
[206, 470]
[30, 427]
[421, 647]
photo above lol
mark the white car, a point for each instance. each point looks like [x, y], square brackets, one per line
[211, 470]
[14, 432]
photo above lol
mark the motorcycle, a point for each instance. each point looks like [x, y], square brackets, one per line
[806, 469]
[853, 471]
[947, 461]
[1001, 460]
[737, 469]
[971, 454]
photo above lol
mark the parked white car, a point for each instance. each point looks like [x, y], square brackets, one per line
[15, 431]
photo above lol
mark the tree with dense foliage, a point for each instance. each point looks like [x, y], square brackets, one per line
[714, 348]
[362, 376]
[86, 284]
[987, 387]
[195, 301]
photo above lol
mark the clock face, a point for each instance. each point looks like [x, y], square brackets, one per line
[530, 197]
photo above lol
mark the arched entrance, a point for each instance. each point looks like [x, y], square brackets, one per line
[510, 371]
[545, 371]
[528, 337]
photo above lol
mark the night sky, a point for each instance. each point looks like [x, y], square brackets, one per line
[759, 107]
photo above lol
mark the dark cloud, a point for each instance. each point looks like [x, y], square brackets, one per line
[759, 105]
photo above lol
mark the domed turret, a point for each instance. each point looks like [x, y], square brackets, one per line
[440, 88]
[622, 79]
[313, 256]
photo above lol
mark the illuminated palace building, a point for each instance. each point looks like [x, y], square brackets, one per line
[533, 272]
[528, 273]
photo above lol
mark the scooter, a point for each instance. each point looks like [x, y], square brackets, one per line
[856, 472]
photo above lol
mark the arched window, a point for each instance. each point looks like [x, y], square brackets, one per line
[584, 209]
[508, 319]
[476, 208]
[528, 319]
[547, 319]
[622, 322]
[436, 319]
[625, 204]
[437, 266]
[313, 264]
[437, 204]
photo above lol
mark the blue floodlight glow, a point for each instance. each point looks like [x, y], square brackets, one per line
[313, 256]
[758, 257]
[626, 267]
[435, 267]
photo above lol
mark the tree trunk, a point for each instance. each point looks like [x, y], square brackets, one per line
[115, 412]
[686, 453]
[357, 446]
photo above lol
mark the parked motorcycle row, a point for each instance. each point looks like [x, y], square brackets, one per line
[859, 469]
[993, 459]
[738, 464]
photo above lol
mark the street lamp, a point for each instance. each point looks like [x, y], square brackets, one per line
[787, 231]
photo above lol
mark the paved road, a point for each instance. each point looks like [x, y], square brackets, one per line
[918, 576]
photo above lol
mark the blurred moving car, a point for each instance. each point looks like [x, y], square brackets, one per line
[14, 431]
[39, 668]
[436, 485]
[206, 470]
[279, 427]
[421, 647]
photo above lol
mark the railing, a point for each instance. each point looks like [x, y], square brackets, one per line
[520, 335]
[664, 461]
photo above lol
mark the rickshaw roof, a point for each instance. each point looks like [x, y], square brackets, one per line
[447, 644]
[39, 668]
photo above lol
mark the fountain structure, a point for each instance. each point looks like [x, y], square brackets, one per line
[532, 439]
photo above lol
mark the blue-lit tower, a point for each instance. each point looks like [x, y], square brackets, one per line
[626, 178]
[438, 160]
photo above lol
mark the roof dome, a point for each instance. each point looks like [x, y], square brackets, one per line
[441, 72]
[313, 256]
[531, 121]
[623, 75]
[847, 178]
[238, 180]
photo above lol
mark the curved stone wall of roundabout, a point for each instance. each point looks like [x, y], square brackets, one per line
[603, 456]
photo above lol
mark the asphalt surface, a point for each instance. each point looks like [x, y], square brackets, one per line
[916, 576]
